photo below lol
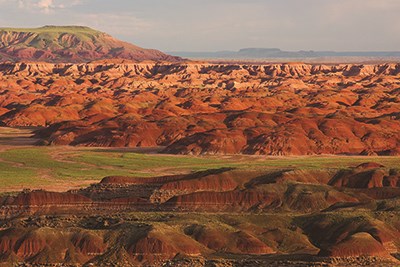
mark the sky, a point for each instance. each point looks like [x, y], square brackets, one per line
[216, 25]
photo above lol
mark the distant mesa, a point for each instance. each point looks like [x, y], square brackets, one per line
[276, 53]
[73, 44]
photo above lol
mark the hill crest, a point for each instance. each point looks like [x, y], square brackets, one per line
[70, 44]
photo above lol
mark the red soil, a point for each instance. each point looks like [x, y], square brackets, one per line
[195, 108]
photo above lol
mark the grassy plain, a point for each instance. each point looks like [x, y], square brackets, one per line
[53, 29]
[60, 168]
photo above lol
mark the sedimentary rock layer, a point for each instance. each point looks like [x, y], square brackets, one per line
[130, 221]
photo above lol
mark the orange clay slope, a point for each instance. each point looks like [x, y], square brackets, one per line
[201, 108]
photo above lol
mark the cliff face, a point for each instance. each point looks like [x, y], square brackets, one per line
[43, 199]
[70, 44]
[281, 109]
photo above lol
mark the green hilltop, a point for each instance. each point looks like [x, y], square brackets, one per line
[69, 44]
[51, 36]
[53, 29]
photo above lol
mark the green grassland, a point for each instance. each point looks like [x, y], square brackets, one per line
[42, 167]
[53, 29]
[51, 36]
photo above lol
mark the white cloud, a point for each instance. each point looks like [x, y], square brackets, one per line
[45, 6]
[228, 25]
[118, 24]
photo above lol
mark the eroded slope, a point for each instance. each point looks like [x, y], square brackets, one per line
[282, 109]
[242, 217]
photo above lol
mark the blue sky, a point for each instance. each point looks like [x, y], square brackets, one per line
[212, 25]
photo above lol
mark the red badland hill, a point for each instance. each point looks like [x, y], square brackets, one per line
[197, 108]
[132, 221]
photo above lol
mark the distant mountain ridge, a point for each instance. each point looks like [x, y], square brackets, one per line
[70, 44]
[264, 53]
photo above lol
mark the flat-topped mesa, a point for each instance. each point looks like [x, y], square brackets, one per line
[70, 44]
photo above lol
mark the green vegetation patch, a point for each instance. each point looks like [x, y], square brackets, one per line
[146, 162]
[11, 176]
[53, 29]
[41, 166]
